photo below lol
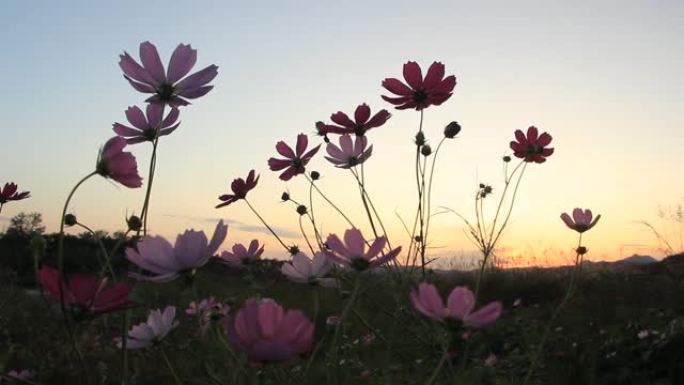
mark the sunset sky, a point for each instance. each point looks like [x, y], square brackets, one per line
[603, 78]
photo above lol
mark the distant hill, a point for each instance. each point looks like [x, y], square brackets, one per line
[637, 260]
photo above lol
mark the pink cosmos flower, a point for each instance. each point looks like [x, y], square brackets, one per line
[294, 162]
[165, 262]
[209, 311]
[362, 122]
[240, 189]
[420, 93]
[145, 128]
[349, 154]
[581, 220]
[114, 163]
[9, 193]
[304, 270]
[167, 87]
[267, 333]
[353, 251]
[158, 325]
[24, 374]
[241, 255]
[532, 147]
[460, 305]
[86, 295]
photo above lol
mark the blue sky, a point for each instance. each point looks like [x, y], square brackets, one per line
[604, 78]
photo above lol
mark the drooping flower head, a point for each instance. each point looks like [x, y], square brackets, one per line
[165, 262]
[242, 255]
[295, 161]
[147, 126]
[170, 87]
[459, 307]
[114, 163]
[362, 122]
[420, 93]
[9, 193]
[86, 295]
[158, 325]
[532, 147]
[353, 251]
[581, 220]
[304, 270]
[264, 331]
[349, 153]
[240, 188]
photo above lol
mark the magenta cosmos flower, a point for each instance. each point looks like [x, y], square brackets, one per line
[294, 162]
[9, 193]
[159, 324]
[86, 295]
[24, 374]
[114, 163]
[304, 270]
[146, 126]
[353, 251]
[242, 255]
[240, 189]
[581, 220]
[459, 306]
[267, 333]
[532, 147]
[165, 262]
[420, 93]
[362, 122]
[167, 87]
[349, 153]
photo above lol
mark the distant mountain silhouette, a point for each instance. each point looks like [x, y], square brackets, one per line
[637, 260]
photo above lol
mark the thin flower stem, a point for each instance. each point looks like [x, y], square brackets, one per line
[429, 190]
[108, 263]
[150, 179]
[439, 366]
[60, 269]
[1, 205]
[301, 227]
[503, 196]
[334, 206]
[372, 206]
[168, 364]
[363, 200]
[343, 316]
[267, 226]
[561, 305]
[312, 218]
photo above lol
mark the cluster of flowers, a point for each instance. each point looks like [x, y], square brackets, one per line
[262, 328]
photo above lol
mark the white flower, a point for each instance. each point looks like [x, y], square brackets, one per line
[158, 325]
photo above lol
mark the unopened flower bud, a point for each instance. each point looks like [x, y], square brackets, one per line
[452, 129]
[285, 197]
[426, 150]
[315, 175]
[134, 223]
[420, 138]
[294, 250]
[70, 220]
[581, 250]
[301, 209]
[506, 158]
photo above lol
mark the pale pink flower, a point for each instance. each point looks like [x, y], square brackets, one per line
[159, 324]
[114, 163]
[166, 262]
[170, 86]
[353, 251]
[350, 153]
[241, 255]
[147, 126]
[304, 270]
[267, 333]
[491, 360]
[209, 311]
[581, 220]
[459, 306]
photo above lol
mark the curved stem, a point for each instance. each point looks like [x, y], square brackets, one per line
[108, 263]
[439, 366]
[168, 364]
[301, 228]
[267, 226]
[334, 206]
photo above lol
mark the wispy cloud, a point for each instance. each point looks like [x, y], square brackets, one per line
[239, 226]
